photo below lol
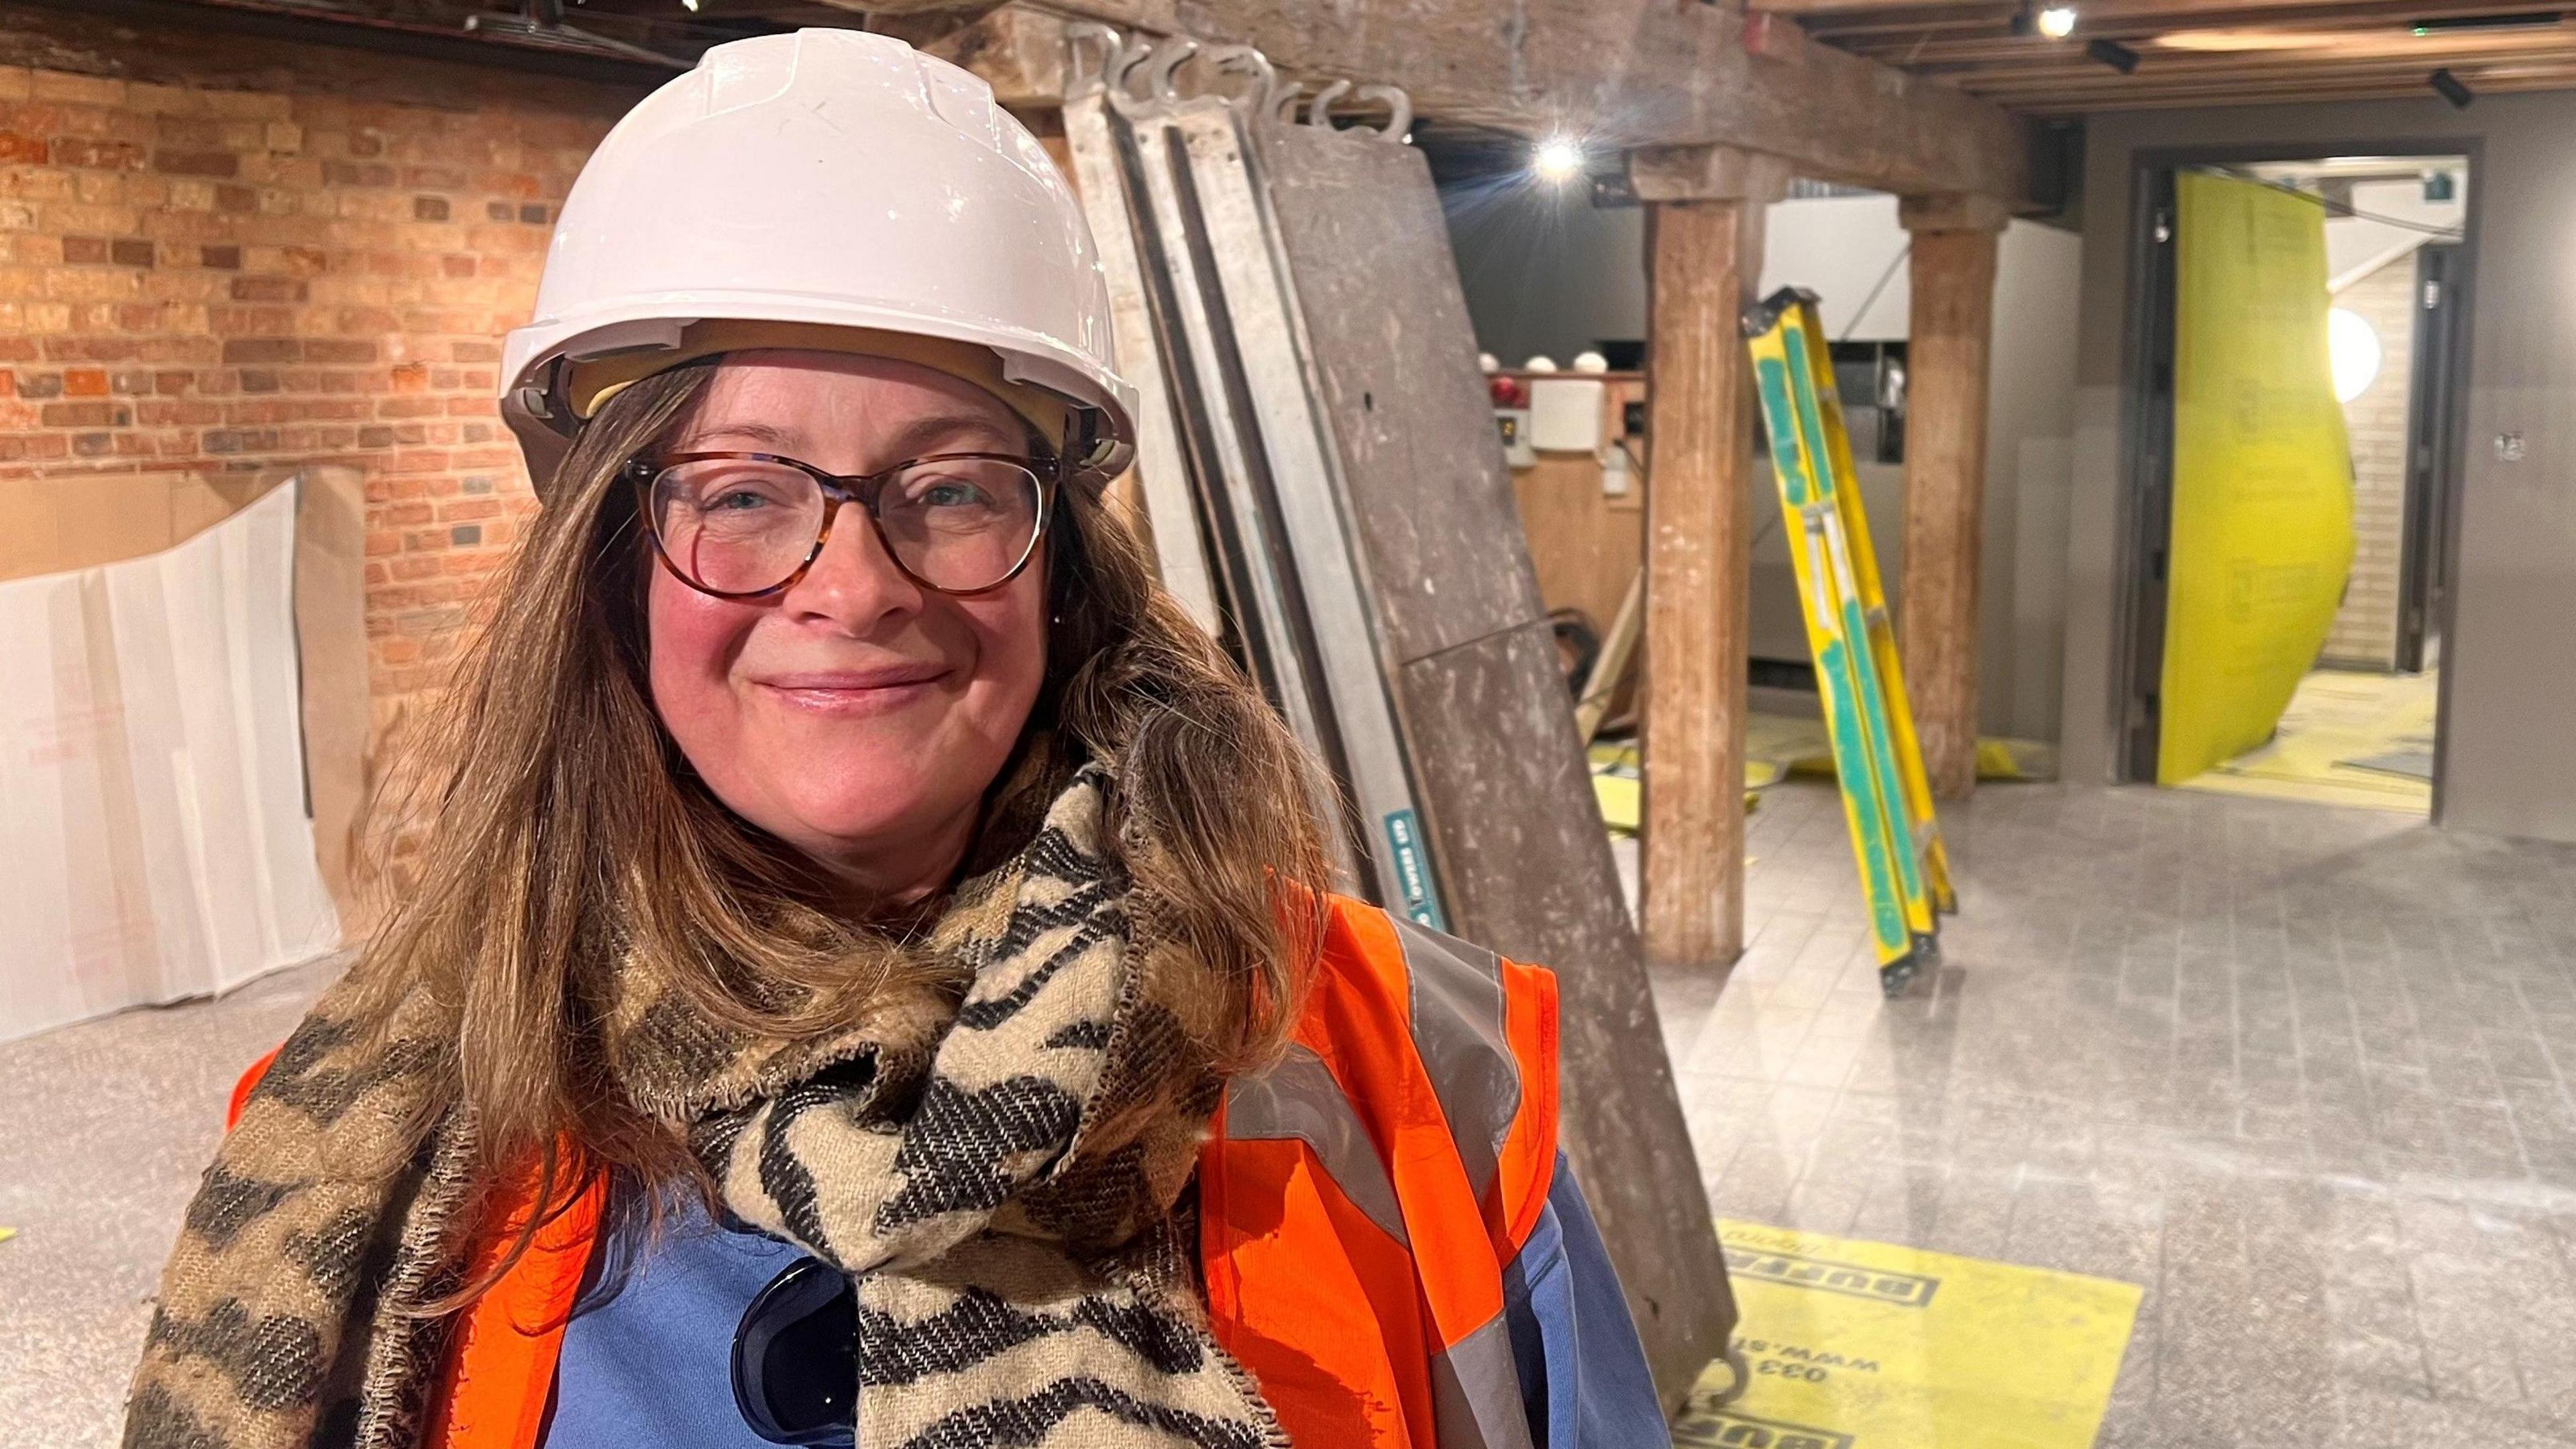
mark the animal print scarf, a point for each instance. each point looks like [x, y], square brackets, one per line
[978, 1166]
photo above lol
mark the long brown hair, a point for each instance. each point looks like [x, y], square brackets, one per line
[566, 834]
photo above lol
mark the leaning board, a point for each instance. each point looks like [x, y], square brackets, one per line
[1524, 865]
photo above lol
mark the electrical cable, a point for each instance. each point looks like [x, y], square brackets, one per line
[1884, 278]
[2337, 208]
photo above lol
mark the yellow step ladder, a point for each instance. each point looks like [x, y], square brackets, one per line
[1887, 801]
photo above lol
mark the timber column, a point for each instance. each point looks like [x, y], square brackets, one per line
[1704, 234]
[1947, 343]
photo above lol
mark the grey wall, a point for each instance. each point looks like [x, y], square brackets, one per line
[2509, 657]
[1545, 272]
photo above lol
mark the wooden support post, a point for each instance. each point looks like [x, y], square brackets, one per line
[1705, 236]
[1953, 276]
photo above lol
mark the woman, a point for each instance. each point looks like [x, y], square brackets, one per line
[872, 960]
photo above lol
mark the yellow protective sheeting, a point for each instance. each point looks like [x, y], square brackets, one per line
[2262, 470]
[1620, 789]
[2337, 727]
[1859, 1345]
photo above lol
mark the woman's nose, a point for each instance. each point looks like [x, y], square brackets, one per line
[854, 582]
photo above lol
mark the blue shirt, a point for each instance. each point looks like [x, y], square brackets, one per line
[651, 1364]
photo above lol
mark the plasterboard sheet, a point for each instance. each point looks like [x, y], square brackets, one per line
[154, 842]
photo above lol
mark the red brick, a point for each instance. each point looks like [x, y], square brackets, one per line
[83, 250]
[87, 415]
[197, 163]
[84, 382]
[88, 154]
[271, 289]
[130, 253]
[262, 349]
[223, 258]
[18, 150]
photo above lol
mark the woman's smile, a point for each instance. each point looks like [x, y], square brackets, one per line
[856, 693]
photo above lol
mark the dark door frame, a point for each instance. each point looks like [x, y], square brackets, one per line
[2146, 464]
[2434, 418]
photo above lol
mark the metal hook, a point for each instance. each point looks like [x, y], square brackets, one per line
[1168, 57]
[1112, 43]
[1283, 107]
[1319, 111]
[1120, 70]
[1250, 61]
[1399, 107]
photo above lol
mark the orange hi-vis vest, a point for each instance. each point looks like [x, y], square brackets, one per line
[1358, 1204]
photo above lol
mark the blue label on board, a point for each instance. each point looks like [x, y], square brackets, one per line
[1413, 870]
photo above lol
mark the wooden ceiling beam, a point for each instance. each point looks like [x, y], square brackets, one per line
[2045, 108]
[1956, 60]
[2068, 96]
[1626, 73]
[2189, 11]
[2215, 70]
[1877, 32]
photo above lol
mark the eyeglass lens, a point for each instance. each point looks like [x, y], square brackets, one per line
[744, 526]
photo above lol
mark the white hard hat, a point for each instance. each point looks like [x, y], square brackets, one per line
[822, 186]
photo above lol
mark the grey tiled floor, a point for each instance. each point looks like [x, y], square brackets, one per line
[2300, 1072]
[106, 1127]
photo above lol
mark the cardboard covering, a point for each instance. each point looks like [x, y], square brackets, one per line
[154, 836]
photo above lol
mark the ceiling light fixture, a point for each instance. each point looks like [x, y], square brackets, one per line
[2057, 21]
[1557, 159]
[2113, 54]
[2451, 88]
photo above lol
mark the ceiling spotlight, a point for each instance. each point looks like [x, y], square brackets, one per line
[2113, 54]
[2451, 88]
[690, 5]
[1557, 159]
[2057, 21]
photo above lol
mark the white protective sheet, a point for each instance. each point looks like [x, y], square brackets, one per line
[154, 836]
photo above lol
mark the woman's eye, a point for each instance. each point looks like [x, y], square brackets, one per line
[735, 501]
[950, 494]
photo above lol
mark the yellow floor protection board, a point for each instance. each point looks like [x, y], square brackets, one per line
[1860, 1345]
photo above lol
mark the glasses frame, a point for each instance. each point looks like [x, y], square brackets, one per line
[861, 488]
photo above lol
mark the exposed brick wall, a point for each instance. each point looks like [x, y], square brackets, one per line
[2365, 628]
[220, 254]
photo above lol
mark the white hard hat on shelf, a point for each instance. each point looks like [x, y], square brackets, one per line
[829, 189]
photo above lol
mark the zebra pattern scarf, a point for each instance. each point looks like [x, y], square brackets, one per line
[997, 1173]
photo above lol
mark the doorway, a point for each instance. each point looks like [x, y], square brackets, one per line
[2294, 454]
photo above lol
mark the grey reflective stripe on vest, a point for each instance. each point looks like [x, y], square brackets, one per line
[1475, 1389]
[1458, 1031]
[1299, 1100]
[1476, 1392]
